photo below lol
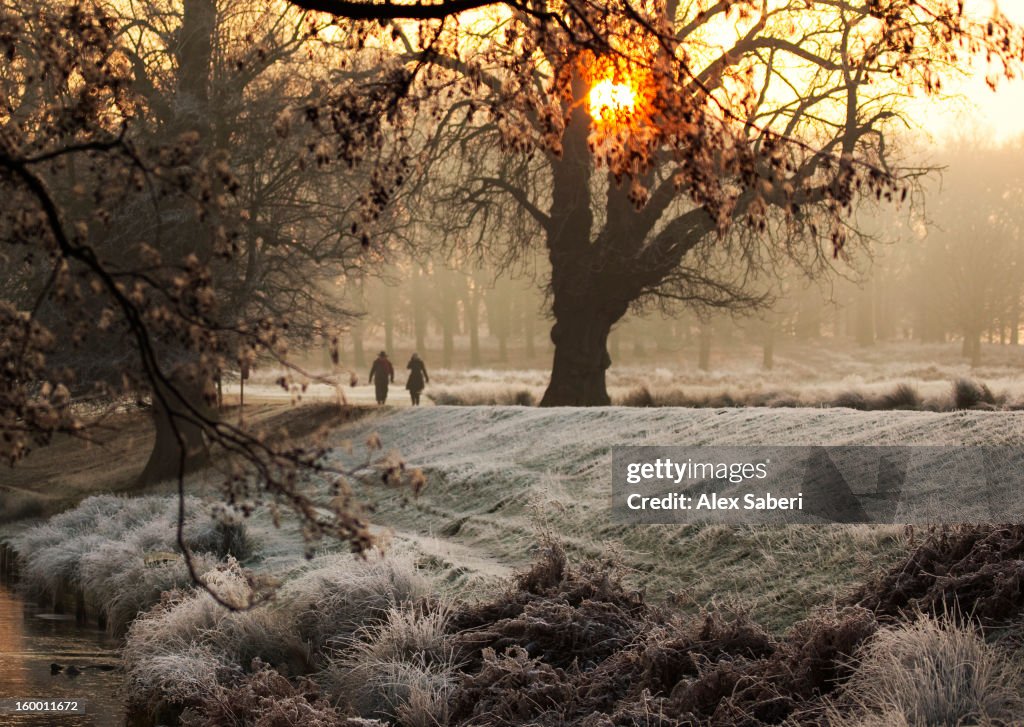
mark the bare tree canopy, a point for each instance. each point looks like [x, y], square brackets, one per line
[666, 153]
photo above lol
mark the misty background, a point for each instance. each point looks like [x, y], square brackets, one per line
[941, 277]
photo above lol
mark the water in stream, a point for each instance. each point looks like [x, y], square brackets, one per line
[31, 640]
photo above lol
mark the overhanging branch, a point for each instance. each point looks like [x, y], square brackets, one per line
[355, 10]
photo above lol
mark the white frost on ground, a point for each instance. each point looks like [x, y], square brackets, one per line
[520, 445]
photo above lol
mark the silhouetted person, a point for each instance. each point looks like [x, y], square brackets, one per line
[418, 378]
[381, 374]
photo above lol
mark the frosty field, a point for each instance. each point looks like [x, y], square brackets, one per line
[500, 476]
[442, 631]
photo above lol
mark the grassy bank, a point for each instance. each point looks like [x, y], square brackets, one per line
[349, 642]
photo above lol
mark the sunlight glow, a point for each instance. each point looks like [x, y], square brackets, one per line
[608, 98]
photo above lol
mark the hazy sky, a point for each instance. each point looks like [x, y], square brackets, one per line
[980, 113]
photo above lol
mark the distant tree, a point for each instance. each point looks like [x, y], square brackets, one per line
[969, 272]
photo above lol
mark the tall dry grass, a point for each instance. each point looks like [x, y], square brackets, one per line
[933, 673]
[402, 669]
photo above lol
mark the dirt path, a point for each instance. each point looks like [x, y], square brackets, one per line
[398, 397]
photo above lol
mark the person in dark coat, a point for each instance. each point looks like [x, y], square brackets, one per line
[381, 374]
[418, 378]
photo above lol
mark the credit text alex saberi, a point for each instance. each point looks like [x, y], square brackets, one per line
[714, 501]
[676, 472]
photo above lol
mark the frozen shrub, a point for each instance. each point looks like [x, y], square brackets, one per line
[933, 673]
[644, 674]
[339, 594]
[937, 404]
[101, 546]
[481, 395]
[969, 570]
[724, 400]
[851, 400]
[968, 394]
[182, 616]
[640, 396]
[558, 614]
[265, 698]
[783, 401]
[178, 678]
[49, 559]
[406, 633]
[904, 396]
[401, 668]
[675, 652]
[559, 633]
[550, 579]
[513, 689]
[445, 398]
[524, 397]
[119, 584]
[193, 623]
[809, 664]
[816, 653]
[208, 535]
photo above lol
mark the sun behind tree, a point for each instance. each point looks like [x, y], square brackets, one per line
[610, 99]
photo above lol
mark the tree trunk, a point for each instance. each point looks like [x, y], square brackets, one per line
[972, 346]
[808, 316]
[768, 346]
[1015, 323]
[704, 352]
[448, 337]
[865, 330]
[419, 311]
[389, 319]
[358, 352]
[884, 320]
[473, 324]
[529, 319]
[179, 446]
[175, 427]
[581, 359]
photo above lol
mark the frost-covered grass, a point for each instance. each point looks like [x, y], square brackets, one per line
[335, 596]
[960, 394]
[933, 672]
[376, 635]
[101, 547]
[828, 373]
[186, 645]
[499, 475]
[323, 609]
[485, 395]
[402, 667]
[917, 395]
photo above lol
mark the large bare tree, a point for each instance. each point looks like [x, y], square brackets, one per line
[652, 145]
